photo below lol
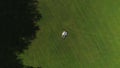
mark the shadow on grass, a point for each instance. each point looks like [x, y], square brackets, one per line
[17, 29]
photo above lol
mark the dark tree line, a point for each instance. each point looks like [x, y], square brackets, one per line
[17, 29]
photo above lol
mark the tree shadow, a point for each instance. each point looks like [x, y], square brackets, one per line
[17, 29]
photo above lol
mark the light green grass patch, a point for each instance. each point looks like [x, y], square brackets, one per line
[93, 40]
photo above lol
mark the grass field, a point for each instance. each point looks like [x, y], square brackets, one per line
[93, 40]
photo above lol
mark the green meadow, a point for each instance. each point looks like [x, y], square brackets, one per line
[93, 39]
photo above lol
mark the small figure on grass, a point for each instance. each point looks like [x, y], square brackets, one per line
[64, 34]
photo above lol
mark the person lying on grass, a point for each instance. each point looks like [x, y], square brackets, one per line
[64, 34]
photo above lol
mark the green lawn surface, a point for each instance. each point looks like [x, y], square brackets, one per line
[93, 40]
